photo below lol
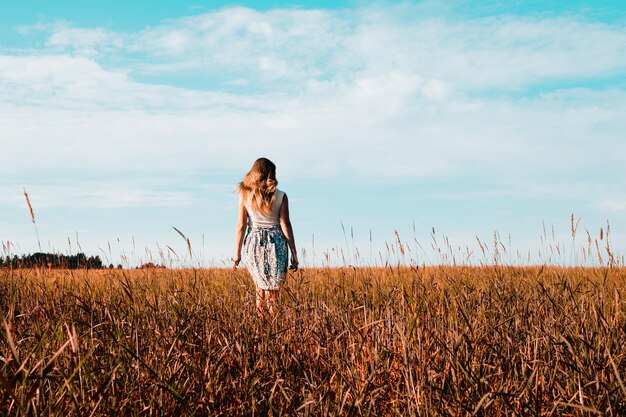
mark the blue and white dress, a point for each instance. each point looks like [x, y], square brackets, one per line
[265, 250]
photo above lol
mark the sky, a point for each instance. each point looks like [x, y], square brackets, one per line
[442, 125]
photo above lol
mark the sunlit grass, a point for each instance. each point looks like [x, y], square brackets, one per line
[377, 341]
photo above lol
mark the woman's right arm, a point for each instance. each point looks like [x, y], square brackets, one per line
[285, 224]
[242, 221]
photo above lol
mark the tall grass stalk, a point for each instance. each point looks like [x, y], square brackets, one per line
[390, 341]
[32, 217]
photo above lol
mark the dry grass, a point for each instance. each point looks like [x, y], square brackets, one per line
[389, 341]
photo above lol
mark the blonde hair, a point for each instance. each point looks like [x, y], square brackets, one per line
[259, 185]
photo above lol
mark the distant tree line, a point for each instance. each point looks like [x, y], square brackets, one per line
[151, 265]
[52, 260]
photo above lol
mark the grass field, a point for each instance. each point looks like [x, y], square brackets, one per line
[347, 341]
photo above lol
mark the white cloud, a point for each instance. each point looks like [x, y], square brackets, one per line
[60, 111]
[506, 54]
[273, 68]
[103, 194]
[239, 82]
[375, 93]
[68, 82]
[262, 28]
[372, 92]
[87, 42]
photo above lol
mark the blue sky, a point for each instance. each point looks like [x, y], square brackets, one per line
[123, 119]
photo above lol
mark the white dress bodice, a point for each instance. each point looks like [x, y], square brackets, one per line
[259, 219]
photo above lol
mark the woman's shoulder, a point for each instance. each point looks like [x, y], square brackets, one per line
[280, 196]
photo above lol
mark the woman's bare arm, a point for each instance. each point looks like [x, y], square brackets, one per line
[285, 224]
[242, 221]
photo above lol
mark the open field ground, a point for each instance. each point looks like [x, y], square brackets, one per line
[389, 341]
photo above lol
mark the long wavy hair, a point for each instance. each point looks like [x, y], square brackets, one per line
[259, 185]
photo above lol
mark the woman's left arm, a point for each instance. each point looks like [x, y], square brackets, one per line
[285, 224]
[242, 221]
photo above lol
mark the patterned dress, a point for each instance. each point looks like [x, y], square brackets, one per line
[265, 250]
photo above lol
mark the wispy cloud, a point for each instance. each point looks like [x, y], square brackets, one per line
[87, 42]
[292, 46]
[94, 195]
[93, 119]
[381, 93]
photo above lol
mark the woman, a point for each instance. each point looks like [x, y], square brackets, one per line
[264, 209]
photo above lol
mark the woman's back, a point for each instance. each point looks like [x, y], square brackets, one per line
[258, 218]
[264, 210]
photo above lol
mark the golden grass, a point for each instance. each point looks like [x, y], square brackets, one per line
[450, 341]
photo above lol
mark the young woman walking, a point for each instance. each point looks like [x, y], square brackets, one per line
[264, 210]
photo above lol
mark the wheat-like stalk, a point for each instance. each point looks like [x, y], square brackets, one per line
[395, 341]
[186, 240]
[32, 217]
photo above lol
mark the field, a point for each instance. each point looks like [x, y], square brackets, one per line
[450, 341]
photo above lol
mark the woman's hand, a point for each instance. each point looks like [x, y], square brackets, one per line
[294, 263]
[236, 260]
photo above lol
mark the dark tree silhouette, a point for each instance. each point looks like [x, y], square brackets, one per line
[52, 260]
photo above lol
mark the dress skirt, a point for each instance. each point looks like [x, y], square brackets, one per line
[266, 256]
